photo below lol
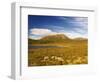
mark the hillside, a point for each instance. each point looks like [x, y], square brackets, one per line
[57, 50]
[58, 38]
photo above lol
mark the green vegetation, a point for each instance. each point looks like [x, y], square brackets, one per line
[69, 51]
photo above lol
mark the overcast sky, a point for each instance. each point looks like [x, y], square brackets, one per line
[73, 27]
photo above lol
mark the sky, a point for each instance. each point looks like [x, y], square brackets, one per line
[73, 27]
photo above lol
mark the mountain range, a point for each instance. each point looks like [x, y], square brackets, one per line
[55, 39]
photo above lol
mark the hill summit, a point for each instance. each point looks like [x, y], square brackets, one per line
[56, 37]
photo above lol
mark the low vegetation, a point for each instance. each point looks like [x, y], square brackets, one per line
[71, 51]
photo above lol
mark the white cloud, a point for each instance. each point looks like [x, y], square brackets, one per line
[81, 30]
[81, 19]
[72, 35]
[82, 22]
[37, 33]
[34, 37]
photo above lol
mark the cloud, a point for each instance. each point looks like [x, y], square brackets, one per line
[81, 19]
[81, 22]
[80, 31]
[37, 33]
[81, 27]
[72, 34]
[77, 22]
[47, 25]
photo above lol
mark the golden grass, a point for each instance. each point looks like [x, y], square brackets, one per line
[70, 53]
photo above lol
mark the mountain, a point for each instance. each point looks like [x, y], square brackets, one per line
[56, 37]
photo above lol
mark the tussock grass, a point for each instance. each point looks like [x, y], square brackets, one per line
[72, 52]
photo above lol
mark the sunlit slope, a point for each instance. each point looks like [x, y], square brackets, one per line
[68, 51]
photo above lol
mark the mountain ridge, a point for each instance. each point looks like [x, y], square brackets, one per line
[55, 39]
[59, 36]
[56, 36]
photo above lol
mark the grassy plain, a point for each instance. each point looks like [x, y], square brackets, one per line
[69, 52]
